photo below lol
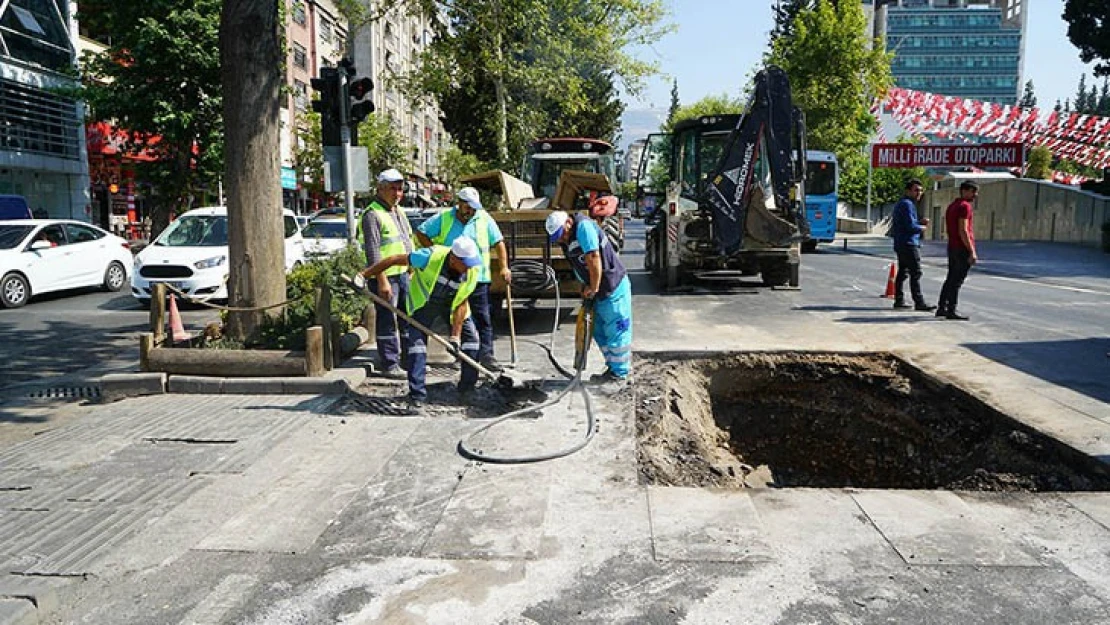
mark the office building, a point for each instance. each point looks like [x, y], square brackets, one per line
[967, 48]
[42, 143]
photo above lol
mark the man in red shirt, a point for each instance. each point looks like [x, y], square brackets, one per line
[961, 249]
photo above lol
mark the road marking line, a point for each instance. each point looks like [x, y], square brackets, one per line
[1074, 289]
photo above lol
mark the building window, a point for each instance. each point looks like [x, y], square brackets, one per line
[298, 13]
[325, 31]
[300, 56]
[300, 95]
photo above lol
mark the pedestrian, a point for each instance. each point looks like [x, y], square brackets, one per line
[906, 229]
[469, 219]
[597, 265]
[383, 232]
[961, 250]
[443, 279]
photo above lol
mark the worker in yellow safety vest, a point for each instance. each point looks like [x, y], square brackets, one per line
[468, 218]
[383, 231]
[442, 280]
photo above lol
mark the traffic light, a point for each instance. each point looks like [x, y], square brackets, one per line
[330, 89]
[361, 104]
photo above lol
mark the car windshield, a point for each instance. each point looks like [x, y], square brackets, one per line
[195, 231]
[11, 236]
[325, 230]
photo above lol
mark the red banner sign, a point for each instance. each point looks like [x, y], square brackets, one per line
[904, 155]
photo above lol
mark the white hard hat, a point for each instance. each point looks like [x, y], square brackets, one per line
[466, 250]
[555, 224]
[470, 196]
[390, 175]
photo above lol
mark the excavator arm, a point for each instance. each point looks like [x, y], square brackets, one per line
[773, 130]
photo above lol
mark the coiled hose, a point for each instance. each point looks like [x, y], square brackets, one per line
[535, 278]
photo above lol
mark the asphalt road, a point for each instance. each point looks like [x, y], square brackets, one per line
[1053, 331]
[73, 336]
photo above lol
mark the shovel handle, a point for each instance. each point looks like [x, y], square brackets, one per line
[423, 328]
[512, 324]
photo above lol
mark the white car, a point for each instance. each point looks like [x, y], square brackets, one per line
[324, 236]
[43, 255]
[191, 255]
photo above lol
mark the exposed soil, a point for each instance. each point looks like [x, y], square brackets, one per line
[832, 420]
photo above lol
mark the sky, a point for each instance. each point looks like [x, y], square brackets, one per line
[717, 44]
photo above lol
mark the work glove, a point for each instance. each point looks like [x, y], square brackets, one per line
[455, 346]
[359, 281]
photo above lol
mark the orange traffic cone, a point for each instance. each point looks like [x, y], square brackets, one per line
[890, 282]
[177, 329]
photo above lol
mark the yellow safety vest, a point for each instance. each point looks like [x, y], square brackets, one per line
[424, 281]
[392, 237]
[481, 232]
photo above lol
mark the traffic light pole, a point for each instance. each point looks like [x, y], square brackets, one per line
[345, 141]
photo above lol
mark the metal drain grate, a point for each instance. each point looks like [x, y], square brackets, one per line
[66, 392]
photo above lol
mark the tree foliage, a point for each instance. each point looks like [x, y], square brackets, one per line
[722, 104]
[505, 72]
[308, 153]
[454, 164]
[385, 147]
[672, 110]
[1040, 164]
[834, 74]
[160, 80]
[1089, 30]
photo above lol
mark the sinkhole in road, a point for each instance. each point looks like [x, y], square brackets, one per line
[830, 420]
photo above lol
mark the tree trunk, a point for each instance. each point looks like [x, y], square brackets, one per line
[499, 91]
[251, 62]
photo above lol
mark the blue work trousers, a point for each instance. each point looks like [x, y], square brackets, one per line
[613, 328]
[428, 315]
[482, 315]
[389, 329]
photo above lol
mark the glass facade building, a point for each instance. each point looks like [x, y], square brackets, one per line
[966, 48]
[42, 139]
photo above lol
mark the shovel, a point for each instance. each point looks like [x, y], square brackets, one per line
[502, 381]
[512, 325]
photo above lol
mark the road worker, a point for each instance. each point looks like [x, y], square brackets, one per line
[598, 266]
[443, 278]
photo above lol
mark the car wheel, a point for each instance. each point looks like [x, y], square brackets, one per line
[114, 277]
[14, 291]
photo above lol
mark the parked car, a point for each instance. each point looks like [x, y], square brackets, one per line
[14, 207]
[324, 236]
[191, 255]
[44, 255]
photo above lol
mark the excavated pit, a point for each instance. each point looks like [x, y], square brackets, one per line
[836, 420]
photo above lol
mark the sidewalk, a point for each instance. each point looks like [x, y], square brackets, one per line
[1066, 264]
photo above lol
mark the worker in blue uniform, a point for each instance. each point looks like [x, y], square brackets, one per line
[598, 266]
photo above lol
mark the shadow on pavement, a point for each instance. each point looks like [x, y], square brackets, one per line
[899, 319]
[58, 347]
[1082, 365]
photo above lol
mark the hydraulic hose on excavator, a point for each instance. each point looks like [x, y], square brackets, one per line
[536, 277]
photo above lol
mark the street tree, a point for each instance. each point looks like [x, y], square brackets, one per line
[251, 55]
[675, 104]
[506, 71]
[1089, 30]
[159, 80]
[385, 147]
[1082, 98]
[308, 152]
[1040, 164]
[1028, 96]
[455, 163]
[834, 74]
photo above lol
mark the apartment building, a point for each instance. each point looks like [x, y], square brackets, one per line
[316, 36]
[967, 48]
[42, 143]
[389, 47]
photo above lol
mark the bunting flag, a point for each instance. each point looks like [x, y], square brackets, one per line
[1084, 139]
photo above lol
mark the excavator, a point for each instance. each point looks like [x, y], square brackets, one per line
[736, 197]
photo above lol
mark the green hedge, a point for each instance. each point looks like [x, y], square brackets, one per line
[287, 331]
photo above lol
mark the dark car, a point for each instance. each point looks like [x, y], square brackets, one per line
[14, 207]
